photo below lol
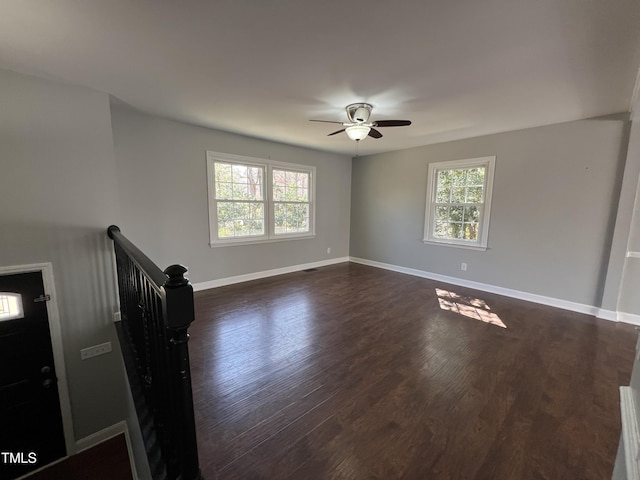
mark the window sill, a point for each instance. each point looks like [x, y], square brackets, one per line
[481, 248]
[255, 241]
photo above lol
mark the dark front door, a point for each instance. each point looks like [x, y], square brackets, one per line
[31, 433]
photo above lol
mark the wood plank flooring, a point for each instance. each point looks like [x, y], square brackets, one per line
[352, 372]
[108, 460]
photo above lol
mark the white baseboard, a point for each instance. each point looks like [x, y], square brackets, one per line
[530, 297]
[485, 287]
[264, 274]
[101, 436]
[106, 434]
[631, 318]
[607, 315]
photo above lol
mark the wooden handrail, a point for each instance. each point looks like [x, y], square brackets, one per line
[157, 277]
[156, 311]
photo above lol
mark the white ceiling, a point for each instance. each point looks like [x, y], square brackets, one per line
[456, 68]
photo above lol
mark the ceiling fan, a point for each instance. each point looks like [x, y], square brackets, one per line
[359, 127]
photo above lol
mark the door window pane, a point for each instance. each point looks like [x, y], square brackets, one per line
[10, 306]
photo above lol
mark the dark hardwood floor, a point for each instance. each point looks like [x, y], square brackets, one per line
[108, 460]
[352, 372]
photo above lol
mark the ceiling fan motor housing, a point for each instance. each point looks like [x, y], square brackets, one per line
[359, 112]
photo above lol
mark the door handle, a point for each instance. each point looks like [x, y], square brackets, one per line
[47, 383]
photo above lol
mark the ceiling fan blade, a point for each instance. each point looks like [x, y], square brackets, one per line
[392, 123]
[325, 121]
[337, 131]
[375, 133]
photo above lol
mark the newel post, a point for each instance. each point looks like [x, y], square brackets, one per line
[178, 316]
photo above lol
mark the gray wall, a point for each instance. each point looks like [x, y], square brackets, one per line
[57, 191]
[554, 204]
[161, 167]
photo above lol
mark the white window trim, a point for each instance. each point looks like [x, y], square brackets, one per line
[268, 166]
[483, 237]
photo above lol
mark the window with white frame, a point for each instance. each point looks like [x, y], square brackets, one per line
[459, 202]
[291, 201]
[254, 200]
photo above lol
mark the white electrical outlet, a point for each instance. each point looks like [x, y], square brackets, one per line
[95, 350]
[463, 267]
[328, 250]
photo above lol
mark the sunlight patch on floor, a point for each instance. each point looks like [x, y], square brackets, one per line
[468, 306]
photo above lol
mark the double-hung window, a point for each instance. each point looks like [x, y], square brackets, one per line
[290, 193]
[459, 202]
[254, 200]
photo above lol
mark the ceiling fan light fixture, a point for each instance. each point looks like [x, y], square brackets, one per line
[357, 132]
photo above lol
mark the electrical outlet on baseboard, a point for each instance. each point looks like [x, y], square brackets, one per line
[463, 267]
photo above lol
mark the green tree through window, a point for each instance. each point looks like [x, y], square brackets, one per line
[459, 195]
[253, 201]
[458, 202]
[240, 200]
[290, 201]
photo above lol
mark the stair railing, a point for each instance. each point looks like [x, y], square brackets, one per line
[156, 310]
